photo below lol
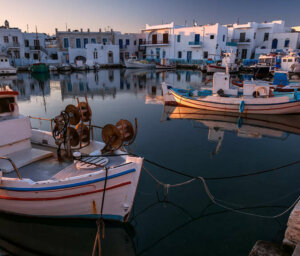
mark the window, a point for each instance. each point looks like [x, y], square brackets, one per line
[15, 39]
[27, 56]
[178, 38]
[85, 42]
[54, 56]
[140, 41]
[66, 42]
[254, 36]
[104, 41]
[284, 60]
[93, 40]
[78, 43]
[126, 55]
[35, 56]
[17, 54]
[36, 43]
[165, 38]
[6, 40]
[266, 36]
[157, 53]
[134, 42]
[212, 37]
[287, 43]
[95, 54]
[164, 54]
[205, 55]
[26, 42]
[290, 60]
[274, 43]
[244, 53]
[127, 42]
[179, 55]
[121, 43]
[197, 38]
[224, 37]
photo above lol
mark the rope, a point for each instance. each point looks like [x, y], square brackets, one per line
[215, 200]
[100, 221]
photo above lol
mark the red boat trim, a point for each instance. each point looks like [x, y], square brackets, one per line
[62, 197]
[181, 98]
[217, 67]
[8, 93]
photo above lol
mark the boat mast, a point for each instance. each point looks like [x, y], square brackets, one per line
[37, 43]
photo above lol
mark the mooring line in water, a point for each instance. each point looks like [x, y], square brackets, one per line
[215, 200]
[206, 178]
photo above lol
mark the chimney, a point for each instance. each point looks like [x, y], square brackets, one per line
[88, 30]
[112, 30]
[81, 30]
[100, 30]
[69, 30]
[56, 30]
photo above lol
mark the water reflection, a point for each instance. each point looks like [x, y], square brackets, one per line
[34, 236]
[250, 126]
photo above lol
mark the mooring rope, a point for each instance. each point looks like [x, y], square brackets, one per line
[215, 200]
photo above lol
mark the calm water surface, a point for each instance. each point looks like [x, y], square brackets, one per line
[180, 220]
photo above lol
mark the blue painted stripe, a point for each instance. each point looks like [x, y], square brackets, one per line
[86, 216]
[69, 185]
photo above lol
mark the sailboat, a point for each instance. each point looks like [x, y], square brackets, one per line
[39, 67]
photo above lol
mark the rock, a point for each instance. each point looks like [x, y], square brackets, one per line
[292, 234]
[263, 248]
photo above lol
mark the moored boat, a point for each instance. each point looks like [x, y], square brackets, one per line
[36, 182]
[5, 67]
[133, 62]
[253, 99]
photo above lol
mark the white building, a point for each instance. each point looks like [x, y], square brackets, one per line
[252, 35]
[185, 44]
[130, 44]
[11, 42]
[280, 42]
[94, 54]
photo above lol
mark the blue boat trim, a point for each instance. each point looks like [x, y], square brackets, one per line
[69, 185]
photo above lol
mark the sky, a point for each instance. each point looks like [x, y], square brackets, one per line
[132, 15]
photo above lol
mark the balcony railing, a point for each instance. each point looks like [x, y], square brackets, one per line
[246, 40]
[195, 43]
[13, 45]
[155, 42]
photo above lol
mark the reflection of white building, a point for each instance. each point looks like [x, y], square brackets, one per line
[185, 44]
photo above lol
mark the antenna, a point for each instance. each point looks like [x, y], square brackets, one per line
[238, 20]
[66, 26]
[27, 28]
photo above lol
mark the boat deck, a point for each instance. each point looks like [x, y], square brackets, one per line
[51, 168]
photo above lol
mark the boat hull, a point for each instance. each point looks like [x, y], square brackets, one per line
[77, 197]
[139, 65]
[251, 106]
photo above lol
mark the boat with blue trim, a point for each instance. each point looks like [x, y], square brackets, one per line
[65, 173]
[253, 99]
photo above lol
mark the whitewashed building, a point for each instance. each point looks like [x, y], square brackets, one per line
[130, 44]
[185, 44]
[11, 43]
[94, 54]
[251, 35]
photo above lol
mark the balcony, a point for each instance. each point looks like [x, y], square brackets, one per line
[150, 43]
[195, 44]
[13, 45]
[241, 41]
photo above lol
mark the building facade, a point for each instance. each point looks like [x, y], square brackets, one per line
[78, 39]
[185, 44]
[130, 44]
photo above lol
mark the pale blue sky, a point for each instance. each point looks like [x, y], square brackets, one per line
[132, 15]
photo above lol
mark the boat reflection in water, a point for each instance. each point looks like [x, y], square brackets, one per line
[38, 236]
[250, 126]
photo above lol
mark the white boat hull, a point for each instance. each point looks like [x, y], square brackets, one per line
[280, 105]
[11, 71]
[76, 197]
[139, 65]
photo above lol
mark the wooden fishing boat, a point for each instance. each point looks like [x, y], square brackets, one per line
[133, 62]
[253, 99]
[35, 181]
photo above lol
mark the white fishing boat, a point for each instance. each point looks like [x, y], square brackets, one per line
[133, 62]
[5, 67]
[99, 178]
[291, 63]
[64, 68]
[253, 99]
[228, 61]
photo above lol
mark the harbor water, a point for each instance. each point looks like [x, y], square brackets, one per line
[166, 220]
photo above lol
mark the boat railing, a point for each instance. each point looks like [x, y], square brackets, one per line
[13, 165]
[52, 120]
